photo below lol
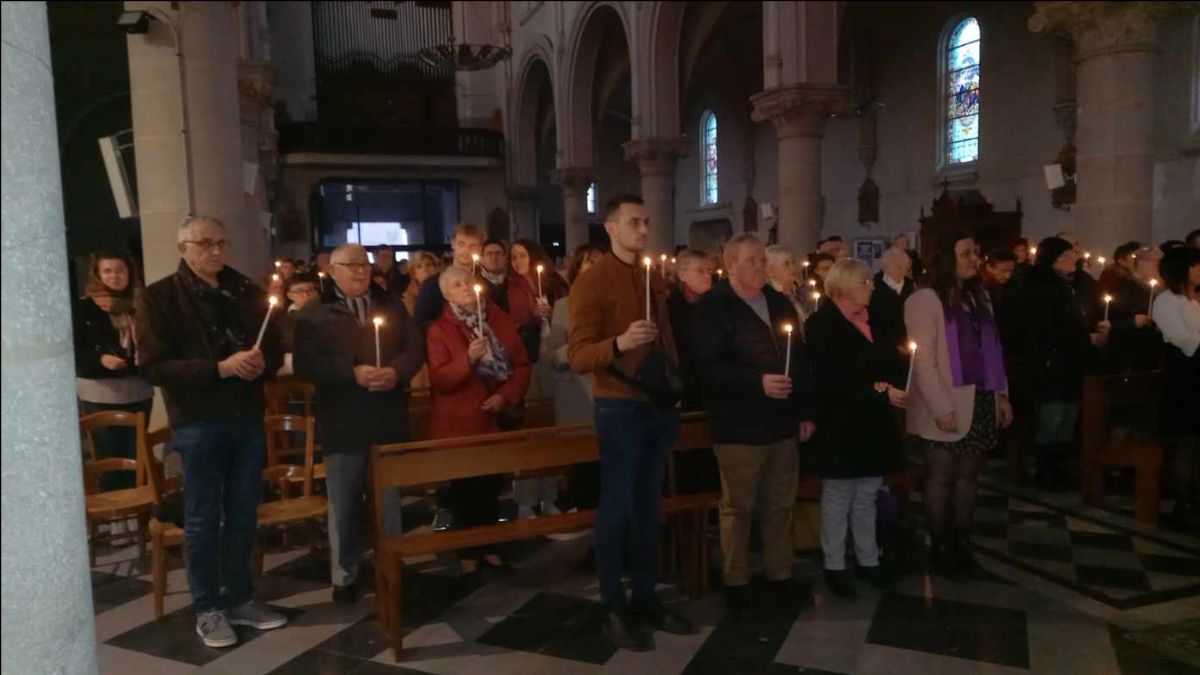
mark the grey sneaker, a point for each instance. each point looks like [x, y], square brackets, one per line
[257, 616]
[214, 629]
[442, 520]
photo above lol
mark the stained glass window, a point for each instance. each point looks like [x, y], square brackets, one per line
[962, 93]
[708, 155]
[591, 198]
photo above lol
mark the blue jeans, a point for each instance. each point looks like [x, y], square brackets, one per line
[222, 474]
[634, 439]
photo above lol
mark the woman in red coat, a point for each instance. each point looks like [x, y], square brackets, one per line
[477, 377]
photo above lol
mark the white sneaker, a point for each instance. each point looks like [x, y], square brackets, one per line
[525, 512]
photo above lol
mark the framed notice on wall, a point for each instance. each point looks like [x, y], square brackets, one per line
[869, 249]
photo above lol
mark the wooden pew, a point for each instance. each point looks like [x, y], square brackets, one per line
[524, 451]
[1119, 415]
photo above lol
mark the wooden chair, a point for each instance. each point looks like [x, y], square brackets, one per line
[163, 534]
[279, 430]
[115, 505]
[1119, 415]
[280, 392]
[282, 478]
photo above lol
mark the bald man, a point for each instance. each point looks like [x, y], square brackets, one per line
[362, 386]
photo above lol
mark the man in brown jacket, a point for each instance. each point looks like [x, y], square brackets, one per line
[611, 329]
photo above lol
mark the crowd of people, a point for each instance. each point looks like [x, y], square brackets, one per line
[801, 362]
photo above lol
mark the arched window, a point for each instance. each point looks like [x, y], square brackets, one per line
[591, 199]
[960, 92]
[708, 156]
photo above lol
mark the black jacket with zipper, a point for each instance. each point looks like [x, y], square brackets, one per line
[95, 336]
[733, 348]
[330, 342]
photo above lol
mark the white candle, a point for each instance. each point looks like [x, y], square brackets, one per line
[278, 264]
[1107, 299]
[816, 297]
[1150, 305]
[663, 258]
[720, 274]
[474, 262]
[274, 277]
[540, 268]
[1101, 261]
[812, 283]
[912, 356]
[648, 263]
[479, 307]
[271, 302]
[321, 278]
[378, 321]
[787, 364]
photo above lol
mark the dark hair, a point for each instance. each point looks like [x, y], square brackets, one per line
[582, 254]
[1170, 244]
[382, 247]
[836, 238]
[942, 275]
[492, 241]
[1125, 250]
[1175, 265]
[1192, 237]
[1020, 241]
[999, 255]
[96, 287]
[614, 203]
[303, 278]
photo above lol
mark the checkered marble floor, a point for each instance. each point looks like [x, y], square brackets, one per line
[1064, 590]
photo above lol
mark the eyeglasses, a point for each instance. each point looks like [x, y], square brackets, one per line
[209, 244]
[355, 267]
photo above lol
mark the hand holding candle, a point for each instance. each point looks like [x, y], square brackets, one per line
[540, 269]
[378, 321]
[271, 302]
[1150, 305]
[912, 356]
[787, 363]
[648, 263]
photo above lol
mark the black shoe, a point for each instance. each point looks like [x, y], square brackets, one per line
[587, 564]
[964, 559]
[625, 631]
[657, 617]
[839, 582]
[345, 595]
[878, 576]
[941, 558]
[790, 594]
[742, 605]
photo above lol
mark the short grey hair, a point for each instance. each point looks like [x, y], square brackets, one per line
[450, 274]
[689, 256]
[891, 256]
[185, 228]
[844, 275]
[777, 254]
[345, 248]
[733, 247]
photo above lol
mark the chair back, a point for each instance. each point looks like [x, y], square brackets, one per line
[279, 473]
[94, 466]
[1120, 408]
[284, 391]
[156, 473]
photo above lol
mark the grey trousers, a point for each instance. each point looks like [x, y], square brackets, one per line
[853, 501]
[346, 484]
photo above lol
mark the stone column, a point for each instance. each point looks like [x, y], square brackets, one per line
[208, 132]
[522, 205]
[256, 79]
[798, 113]
[46, 598]
[575, 182]
[1115, 52]
[655, 158]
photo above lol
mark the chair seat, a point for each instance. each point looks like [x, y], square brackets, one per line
[169, 534]
[118, 503]
[318, 474]
[300, 508]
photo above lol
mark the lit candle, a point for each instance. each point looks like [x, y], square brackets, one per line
[1150, 305]
[378, 321]
[274, 277]
[540, 268]
[1033, 250]
[321, 278]
[672, 262]
[271, 302]
[720, 274]
[663, 258]
[278, 264]
[912, 356]
[787, 364]
[648, 263]
[812, 283]
[474, 262]
[816, 297]
[1087, 256]
[479, 307]
[804, 264]
[1107, 299]
[1100, 260]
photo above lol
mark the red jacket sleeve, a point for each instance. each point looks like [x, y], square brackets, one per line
[513, 389]
[449, 368]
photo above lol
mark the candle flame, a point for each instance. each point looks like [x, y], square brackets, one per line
[274, 277]
[540, 268]
[321, 274]
[804, 264]
[273, 301]
[816, 296]
[1032, 250]
[475, 257]
[1087, 256]
[1153, 283]
[720, 273]
[478, 289]
[647, 262]
[787, 328]
[672, 261]
[1107, 298]
[278, 264]
[663, 257]
[912, 348]
[812, 282]
[1101, 260]
[378, 321]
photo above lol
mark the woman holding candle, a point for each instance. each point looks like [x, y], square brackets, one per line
[479, 373]
[959, 394]
[857, 381]
[1177, 312]
[525, 257]
[106, 373]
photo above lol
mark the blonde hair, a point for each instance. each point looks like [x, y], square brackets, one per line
[733, 247]
[844, 275]
[470, 230]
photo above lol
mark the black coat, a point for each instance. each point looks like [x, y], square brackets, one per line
[95, 336]
[1131, 348]
[733, 349]
[886, 313]
[185, 327]
[858, 434]
[1058, 347]
[682, 315]
[1181, 392]
[330, 342]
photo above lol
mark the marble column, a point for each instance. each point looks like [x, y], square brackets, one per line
[798, 113]
[46, 597]
[575, 182]
[198, 125]
[1116, 46]
[522, 207]
[655, 159]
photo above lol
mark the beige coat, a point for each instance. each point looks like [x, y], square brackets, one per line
[933, 393]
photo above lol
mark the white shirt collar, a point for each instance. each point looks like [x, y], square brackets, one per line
[895, 286]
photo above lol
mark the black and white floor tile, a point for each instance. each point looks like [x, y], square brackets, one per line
[1065, 590]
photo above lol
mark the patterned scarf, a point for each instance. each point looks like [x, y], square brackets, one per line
[494, 363]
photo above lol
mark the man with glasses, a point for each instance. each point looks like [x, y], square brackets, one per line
[196, 338]
[301, 289]
[362, 385]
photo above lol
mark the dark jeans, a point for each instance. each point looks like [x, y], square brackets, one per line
[634, 439]
[222, 473]
[476, 501]
[118, 442]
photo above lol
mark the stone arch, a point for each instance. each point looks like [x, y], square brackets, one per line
[575, 128]
[536, 77]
